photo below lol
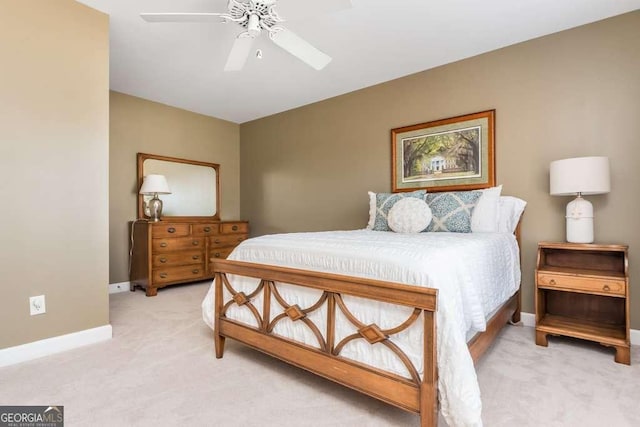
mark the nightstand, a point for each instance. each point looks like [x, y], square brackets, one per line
[582, 291]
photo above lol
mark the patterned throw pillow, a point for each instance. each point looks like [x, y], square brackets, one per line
[409, 215]
[385, 201]
[452, 211]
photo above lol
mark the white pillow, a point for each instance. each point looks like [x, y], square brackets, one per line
[510, 210]
[485, 214]
[372, 210]
[409, 215]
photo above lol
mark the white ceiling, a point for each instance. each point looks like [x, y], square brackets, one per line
[181, 64]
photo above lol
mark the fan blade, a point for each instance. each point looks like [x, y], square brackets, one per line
[300, 48]
[182, 17]
[239, 53]
[296, 9]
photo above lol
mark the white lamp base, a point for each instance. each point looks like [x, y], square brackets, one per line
[579, 221]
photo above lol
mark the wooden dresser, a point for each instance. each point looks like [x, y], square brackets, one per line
[168, 253]
[582, 291]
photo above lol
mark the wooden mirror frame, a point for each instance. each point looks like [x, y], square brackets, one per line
[141, 157]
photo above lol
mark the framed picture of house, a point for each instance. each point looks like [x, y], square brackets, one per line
[445, 155]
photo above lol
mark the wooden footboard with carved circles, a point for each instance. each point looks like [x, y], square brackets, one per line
[416, 393]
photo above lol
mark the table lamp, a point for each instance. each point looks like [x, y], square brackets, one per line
[154, 184]
[579, 176]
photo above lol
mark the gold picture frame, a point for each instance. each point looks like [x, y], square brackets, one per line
[451, 154]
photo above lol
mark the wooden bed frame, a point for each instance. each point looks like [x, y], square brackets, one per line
[415, 394]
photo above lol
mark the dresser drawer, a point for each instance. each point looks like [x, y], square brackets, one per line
[585, 284]
[177, 244]
[205, 229]
[170, 230]
[224, 240]
[178, 258]
[234, 227]
[221, 253]
[173, 274]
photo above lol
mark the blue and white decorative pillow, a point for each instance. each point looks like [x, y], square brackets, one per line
[452, 211]
[381, 203]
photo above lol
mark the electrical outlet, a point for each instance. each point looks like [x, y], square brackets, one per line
[36, 305]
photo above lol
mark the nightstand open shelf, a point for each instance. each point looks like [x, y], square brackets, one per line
[582, 291]
[555, 324]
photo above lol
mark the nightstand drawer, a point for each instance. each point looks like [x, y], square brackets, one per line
[582, 284]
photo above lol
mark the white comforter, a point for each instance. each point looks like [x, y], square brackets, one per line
[474, 274]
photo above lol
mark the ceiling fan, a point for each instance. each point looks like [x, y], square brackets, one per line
[256, 16]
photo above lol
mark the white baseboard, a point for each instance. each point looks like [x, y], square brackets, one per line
[635, 336]
[115, 288]
[529, 319]
[48, 346]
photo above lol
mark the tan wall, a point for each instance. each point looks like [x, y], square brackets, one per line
[138, 125]
[575, 93]
[54, 160]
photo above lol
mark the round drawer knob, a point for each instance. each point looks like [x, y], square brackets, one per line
[552, 282]
[606, 288]
[163, 275]
[240, 239]
[195, 271]
[163, 244]
[195, 243]
[171, 230]
[217, 255]
[217, 241]
[234, 228]
[163, 260]
[207, 229]
[195, 257]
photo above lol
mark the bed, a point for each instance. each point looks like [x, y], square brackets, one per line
[394, 323]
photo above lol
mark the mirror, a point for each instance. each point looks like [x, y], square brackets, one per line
[194, 185]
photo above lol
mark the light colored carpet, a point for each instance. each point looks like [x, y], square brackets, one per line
[160, 370]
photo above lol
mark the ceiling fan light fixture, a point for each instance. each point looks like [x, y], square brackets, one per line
[253, 26]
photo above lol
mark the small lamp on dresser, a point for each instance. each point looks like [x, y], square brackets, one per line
[579, 176]
[154, 184]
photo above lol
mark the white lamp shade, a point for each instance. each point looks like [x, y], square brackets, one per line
[155, 184]
[585, 175]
